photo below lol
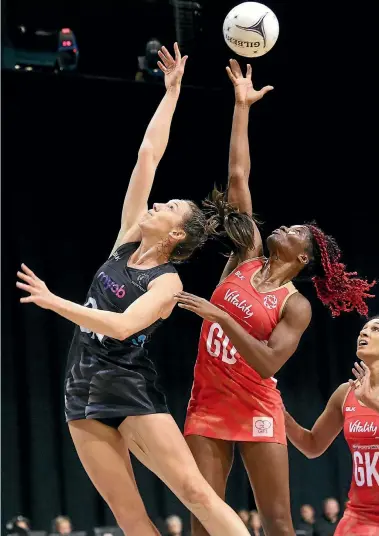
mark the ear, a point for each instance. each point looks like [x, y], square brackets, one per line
[177, 235]
[303, 258]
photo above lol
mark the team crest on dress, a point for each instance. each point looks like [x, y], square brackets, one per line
[270, 301]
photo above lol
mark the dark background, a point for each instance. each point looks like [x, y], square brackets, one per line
[69, 144]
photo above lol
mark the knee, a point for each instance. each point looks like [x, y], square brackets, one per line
[195, 490]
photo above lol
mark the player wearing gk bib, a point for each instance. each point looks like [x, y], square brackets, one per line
[355, 409]
[113, 401]
[252, 326]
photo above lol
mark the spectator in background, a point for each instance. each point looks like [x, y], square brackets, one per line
[62, 525]
[174, 526]
[327, 524]
[148, 70]
[18, 525]
[306, 525]
[244, 515]
[255, 525]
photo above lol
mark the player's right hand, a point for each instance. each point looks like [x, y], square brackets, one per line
[173, 69]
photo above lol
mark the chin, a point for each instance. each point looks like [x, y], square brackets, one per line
[365, 355]
[273, 242]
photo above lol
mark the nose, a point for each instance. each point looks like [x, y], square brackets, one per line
[363, 333]
[284, 228]
[156, 207]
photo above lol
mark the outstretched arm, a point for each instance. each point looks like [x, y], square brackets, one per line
[313, 443]
[156, 303]
[239, 152]
[152, 148]
[266, 358]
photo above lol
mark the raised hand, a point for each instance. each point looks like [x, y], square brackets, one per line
[39, 293]
[243, 85]
[173, 69]
[363, 390]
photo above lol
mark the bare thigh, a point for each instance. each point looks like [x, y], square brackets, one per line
[105, 457]
[158, 443]
[267, 467]
[214, 458]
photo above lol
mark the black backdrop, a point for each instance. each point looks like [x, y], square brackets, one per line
[69, 146]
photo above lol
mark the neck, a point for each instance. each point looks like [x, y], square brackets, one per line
[374, 370]
[149, 253]
[277, 272]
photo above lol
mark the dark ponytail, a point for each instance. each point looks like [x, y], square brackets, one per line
[233, 228]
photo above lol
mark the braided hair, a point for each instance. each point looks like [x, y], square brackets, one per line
[338, 289]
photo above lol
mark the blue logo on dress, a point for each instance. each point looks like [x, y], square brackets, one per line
[140, 341]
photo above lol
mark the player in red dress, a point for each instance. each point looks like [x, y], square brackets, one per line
[355, 409]
[251, 327]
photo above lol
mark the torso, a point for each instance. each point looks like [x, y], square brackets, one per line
[107, 378]
[361, 431]
[115, 287]
[224, 383]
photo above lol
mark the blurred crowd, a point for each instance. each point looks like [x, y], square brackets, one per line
[309, 525]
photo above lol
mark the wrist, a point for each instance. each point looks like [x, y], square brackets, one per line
[55, 303]
[222, 317]
[173, 90]
[242, 105]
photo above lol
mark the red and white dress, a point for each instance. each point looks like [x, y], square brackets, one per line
[361, 430]
[229, 399]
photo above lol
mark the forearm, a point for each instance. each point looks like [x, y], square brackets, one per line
[257, 354]
[104, 322]
[158, 131]
[239, 153]
[300, 437]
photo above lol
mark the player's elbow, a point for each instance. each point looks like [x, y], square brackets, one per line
[146, 152]
[121, 332]
[313, 450]
[238, 176]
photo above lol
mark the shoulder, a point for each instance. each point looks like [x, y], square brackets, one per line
[298, 310]
[167, 283]
[337, 400]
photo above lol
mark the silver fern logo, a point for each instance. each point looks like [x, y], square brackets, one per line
[256, 27]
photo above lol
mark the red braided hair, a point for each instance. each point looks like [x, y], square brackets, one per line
[337, 289]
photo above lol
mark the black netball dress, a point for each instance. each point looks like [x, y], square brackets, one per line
[107, 379]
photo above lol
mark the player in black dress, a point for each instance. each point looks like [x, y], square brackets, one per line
[113, 401]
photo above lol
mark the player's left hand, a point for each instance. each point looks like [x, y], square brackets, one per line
[243, 86]
[39, 293]
[200, 306]
[363, 390]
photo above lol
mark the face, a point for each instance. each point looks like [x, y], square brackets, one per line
[368, 341]
[244, 515]
[64, 527]
[290, 243]
[174, 526]
[307, 513]
[165, 221]
[22, 525]
[331, 508]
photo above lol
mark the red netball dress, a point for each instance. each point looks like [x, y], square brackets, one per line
[229, 399]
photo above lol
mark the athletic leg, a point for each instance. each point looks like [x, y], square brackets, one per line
[214, 458]
[267, 467]
[158, 443]
[105, 458]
